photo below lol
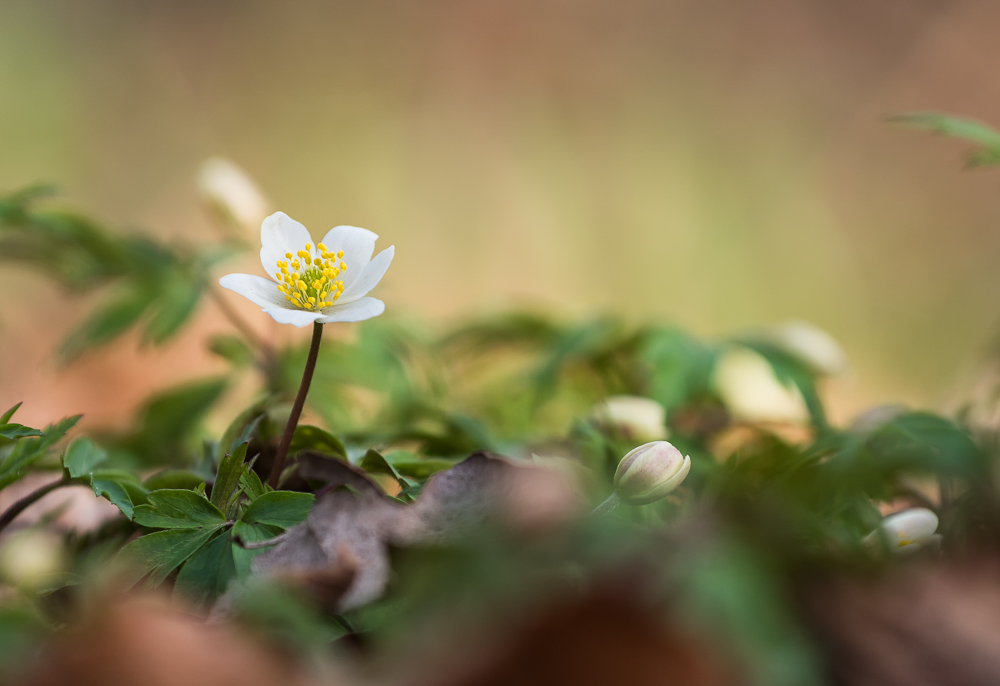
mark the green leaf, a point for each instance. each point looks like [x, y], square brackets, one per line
[9, 413]
[81, 456]
[227, 481]
[13, 431]
[178, 299]
[416, 467]
[173, 479]
[956, 127]
[206, 574]
[308, 437]
[177, 509]
[374, 463]
[231, 348]
[279, 508]
[252, 486]
[162, 552]
[250, 533]
[120, 487]
[27, 451]
[109, 322]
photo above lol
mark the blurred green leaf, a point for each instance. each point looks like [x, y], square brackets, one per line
[81, 456]
[160, 553]
[177, 509]
[231, 348]
[6, 417]
[207, 572]
[27, 451]
[13, 431]
[173, 479]
[279, 508]
[957, 127]
[308, 437]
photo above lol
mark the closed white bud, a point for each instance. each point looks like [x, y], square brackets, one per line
[634, 417]
[908, 530]
[747, 384]
[230, 192]
[650, 472]
[29, 558]
[811, 345]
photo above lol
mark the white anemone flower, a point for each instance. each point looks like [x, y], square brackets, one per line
[908, 530]
[326, 282]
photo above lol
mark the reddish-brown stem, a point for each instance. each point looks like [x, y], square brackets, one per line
[300, 400]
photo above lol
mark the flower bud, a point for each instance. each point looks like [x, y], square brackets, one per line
[746, 382]
[29, 558]
[634, 417]
[231, 193]
[650, 472]
[811, 345]
[908, 530]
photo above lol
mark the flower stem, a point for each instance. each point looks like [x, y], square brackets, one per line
[613, 501]
[21, 505]
[300, 400]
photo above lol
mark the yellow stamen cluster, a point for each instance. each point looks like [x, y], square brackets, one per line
[310, 283]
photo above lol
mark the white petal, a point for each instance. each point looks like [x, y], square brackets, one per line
[300, 318]
[358, 245]
[370, 275]
[256, 289]
[356, 311]
[280, 234]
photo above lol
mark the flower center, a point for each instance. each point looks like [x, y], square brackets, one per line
[311, 283]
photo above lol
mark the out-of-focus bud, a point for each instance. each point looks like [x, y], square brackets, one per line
[634, 417]
[28, 558]
[746, 382]
[811, 345]
[650, 472]
[231, 193]
[908, 530]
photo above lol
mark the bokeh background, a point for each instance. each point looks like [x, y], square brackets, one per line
[714, 163]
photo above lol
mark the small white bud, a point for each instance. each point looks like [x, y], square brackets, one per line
[812, 346]
[907, 530]
[634, 417]
[230, 192]
[28, 558]
[746, 382]
[650, 472]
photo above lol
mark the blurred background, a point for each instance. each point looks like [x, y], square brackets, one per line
[711, 163]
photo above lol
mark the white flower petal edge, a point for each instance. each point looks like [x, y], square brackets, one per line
[358, 245]
[287, 315]
[369, 277]
[280, 234]
[356, 311]
[258, 290]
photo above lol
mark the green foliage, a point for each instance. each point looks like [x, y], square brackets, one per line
[24, 450]
[987, 139]
[146, 283]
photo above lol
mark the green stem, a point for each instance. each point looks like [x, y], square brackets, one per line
[21, 505]
[613, 501]
[300, 400]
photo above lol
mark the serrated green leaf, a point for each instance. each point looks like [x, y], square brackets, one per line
[249, 533]
[307, 437]
[279, 508]
[160, 553]
[13, 431]
[177, 509]
[113, 318]
[227, 481]
[177, 300]
[27, 451]
[6, 416]
[231, 348]
[81, 456]
[416, 467]
[206, 574]
[173, 479]
[252, 485]
[115, 492]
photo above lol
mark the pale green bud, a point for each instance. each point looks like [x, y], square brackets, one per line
[650, 472]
